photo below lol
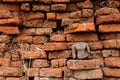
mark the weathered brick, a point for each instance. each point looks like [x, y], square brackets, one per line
[107, 36]
[9, 30]
[95, 54]
[51, 72]
[82, 37]
[23, 38]
[18, 64]
[2, 46]
[106, 11]
[51, 79]
[87, 12]
[74, 0]
[4, 14]
[12, 78]
[60, 1]
[39, 39]
[13, 1]
[33, 54]
[67, 72]
[80, 27]
[112, 52]
[15, 56]
[88, 74]
[51, 16]
[44, 1]
[112, 62]
[25, 7]
[84, 64]
[31, 72]
[72, 7]
[111, 43]
[36, 47]
[62, 16]
[39, 63]
[49, 24]
[95, 45]
[54, 46]
[4, 62]
[57, 37]
[8, 71]
[75, 15]
[43, 31]
[58, 62]
[4, 38]
[2, 78]
[112, 18]
[109, 28]
[58, 7]
[114, 3]
[40, 7]
[60, 55]
[36, 78]
[29, 31]
[111, 72]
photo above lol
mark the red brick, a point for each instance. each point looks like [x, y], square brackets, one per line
[88, 74]
[57, 37]
[62, 16]
[11, 7]
[114, 3]
[60, 1]
[51, 16]
[75, 15]
[32, 72]
[25, 6]
[58, 7]
[4, 62]
[112, 18]
[84, 64]
[4, 38]
[112, 52]
[22, 38]
[60, 55]
[111, 43]
[9, 30]
[18, 64]
[49, 24]
[43, 31]
[111, 72]
[44, 1]
[106, 11]
[82, 37]
[54, 46]
[51, 72]
[44, 8]
[58, 62]
[40, 63]
[29, 31]
[109, 28]
[112, 62]
[72, 7]
[8, 71]
[95, 45]
[33, 54]
[87, 12]
[39, 39]
[4, 14]
[80, 27]
[13, 1]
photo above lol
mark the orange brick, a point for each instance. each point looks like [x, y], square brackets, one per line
[114, 3]
[9, 30]
[51, 72]
[18, 64]
[112, 52]
[84, 64]
[2, 78]
[72, 7]
[58, 62]
[33, 54]
[51, 16]
[57, 37]
[5, 14]
[44, 1]
[87, 13]
[54, 46]
[82, 37]
[8, 71]
[80, 27]
[58, 7]
[43, 31]
[12, 78]
[22, 38]
[15, 56]
[2, 46]
[4, 62]
[39, 39]
[75, 15]
[62, 16]
[36, 78]
[60, 1]
[109, 28]
[111, 72]
[39, 63]
[13, 1]
[4, 38]
[60, 55]
[25, 6]
[32, 72]
[49, 24]
[29, 31]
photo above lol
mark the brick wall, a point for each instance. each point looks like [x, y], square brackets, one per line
[36, 38]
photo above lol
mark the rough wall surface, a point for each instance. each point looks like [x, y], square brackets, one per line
[36, 38]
